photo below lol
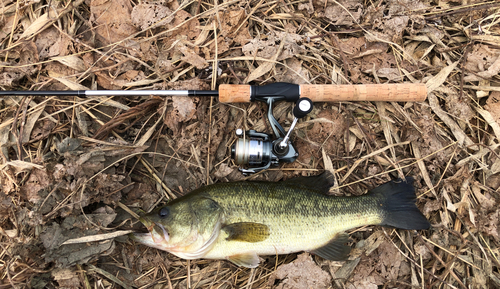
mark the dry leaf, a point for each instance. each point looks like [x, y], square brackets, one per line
[269, 48]
[491, 71]
[10, 78]
[146, 16]
[480, 59]
[71, 228]
[21, 166]
[309, 7]
[440, 78]
[489, 224]
[66, 278]
[395, 27]
[72, 61]
[459, 134]
[45, 20]
[223, 171]
[191, 57]
[7, 23]
[71, 84]
[293, 72]
[301, 273]
[49, 43]
[30, 123]
[38, 25]
[113, 18]
[339, 16]
[231, 20]
[182, 109]
[190, 28]
[493, 122]
[37, 181]
[493, 105]
[184, 106]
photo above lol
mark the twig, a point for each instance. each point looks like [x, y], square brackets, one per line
[465, 9]
[345, 63]
[415, 263]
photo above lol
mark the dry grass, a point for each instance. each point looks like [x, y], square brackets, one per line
[73, 167]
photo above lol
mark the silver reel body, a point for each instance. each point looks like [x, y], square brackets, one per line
[259, 150]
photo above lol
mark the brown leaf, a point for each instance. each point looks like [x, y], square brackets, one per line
[194, 83]
[493, 105]
[230, 21]
[113, 18]
[49, 43]
[68, 255]
[184, 106]
[189, 30]
[10, 77]
[395, 27]
[6, 24]
[191, 57]
[223, 171]
[66, 278]
[493, 181]
[233, 28]
[146, 16]
[293, 72]
[489, 224]
[37, 181]
[389, 261]
[182, 109]
[7, 186]
[270, 47]
[480, 59]
[329, 133]
[339, 16]
[306, 6]
[301, 273]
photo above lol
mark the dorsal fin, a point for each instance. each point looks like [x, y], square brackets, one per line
[320, 183]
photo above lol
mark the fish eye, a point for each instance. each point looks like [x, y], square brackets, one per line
[163, 213]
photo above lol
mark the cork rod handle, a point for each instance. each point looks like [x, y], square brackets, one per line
[332, 93]
[365, 92]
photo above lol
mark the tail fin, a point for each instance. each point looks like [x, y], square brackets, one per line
[398, 204]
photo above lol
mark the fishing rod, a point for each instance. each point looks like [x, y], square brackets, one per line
[231, 93]
[260, 150]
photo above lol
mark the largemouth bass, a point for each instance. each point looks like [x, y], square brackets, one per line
[241, 220]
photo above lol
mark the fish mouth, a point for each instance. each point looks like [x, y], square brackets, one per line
[157, 234]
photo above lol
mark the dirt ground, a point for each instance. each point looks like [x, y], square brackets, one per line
[79, 169]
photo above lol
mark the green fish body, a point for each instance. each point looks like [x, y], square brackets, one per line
[241, 220]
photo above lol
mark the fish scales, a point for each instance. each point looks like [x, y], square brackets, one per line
[298, 219]
[242, 220]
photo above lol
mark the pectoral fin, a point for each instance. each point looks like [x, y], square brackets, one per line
[336, 249]
[246, 232]
[245, 260]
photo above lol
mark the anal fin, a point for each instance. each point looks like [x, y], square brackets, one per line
[336, 249]
[249, 260]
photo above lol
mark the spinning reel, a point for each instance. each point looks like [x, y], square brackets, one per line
[260, 150]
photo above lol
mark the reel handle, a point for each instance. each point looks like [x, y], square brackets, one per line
[303, 107]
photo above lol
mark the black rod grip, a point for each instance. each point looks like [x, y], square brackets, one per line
[203, 93]
[285, 91]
